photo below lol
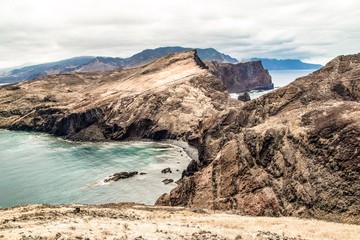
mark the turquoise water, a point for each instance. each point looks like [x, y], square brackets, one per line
[38, 168]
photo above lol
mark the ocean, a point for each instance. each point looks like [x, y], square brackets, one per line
[38, 168]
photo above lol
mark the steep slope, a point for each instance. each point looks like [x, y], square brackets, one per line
[242, 77]
[286, 64]
[168, 98]
[295, 151]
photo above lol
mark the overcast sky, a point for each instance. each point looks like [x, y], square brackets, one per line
[46, 30]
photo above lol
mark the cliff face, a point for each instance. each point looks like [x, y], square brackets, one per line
[241, 77]
[294, 152]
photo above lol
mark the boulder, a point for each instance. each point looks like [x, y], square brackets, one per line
[244, 97]
[166, 170]
[120, 175]
[167, 181]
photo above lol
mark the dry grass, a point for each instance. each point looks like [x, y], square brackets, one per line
[126, 221]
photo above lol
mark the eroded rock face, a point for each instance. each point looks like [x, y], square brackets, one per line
[241, 77]
[294, 152]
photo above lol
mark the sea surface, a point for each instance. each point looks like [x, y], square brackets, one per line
[280, 78]
[38, 168]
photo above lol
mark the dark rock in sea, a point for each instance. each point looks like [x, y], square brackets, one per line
[167, 181]
[244, 97]
[166, 170]
[241, 77]
[142, 173]
[120, 175]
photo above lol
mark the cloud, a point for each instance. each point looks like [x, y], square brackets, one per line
[46, 30]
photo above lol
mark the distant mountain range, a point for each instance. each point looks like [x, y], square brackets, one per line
[93, 64]
[285, 64]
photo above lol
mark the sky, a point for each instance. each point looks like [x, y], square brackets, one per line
[40, 31]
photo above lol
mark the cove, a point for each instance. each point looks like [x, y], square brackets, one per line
[38, 168]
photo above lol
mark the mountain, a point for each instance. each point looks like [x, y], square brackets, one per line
[285, 64]
[292, 152]
[30, 72]
[93, 64]
[3, 70]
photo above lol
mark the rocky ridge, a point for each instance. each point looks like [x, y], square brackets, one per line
[167, 99]
[293, 152]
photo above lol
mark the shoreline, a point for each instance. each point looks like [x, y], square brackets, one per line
[190, 151]
[178, 161]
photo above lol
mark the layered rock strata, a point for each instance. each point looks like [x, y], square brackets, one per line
[294, 152]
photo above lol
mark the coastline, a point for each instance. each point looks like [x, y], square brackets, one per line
[169, 155]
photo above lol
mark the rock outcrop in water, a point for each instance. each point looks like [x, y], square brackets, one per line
[241, 77]
[120, 175]
[293, 152]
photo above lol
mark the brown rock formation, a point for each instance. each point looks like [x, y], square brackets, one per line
[241, 77]
[167, 99]
[293, 152]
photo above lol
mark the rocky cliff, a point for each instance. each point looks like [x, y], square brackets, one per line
[166, 99]
[293, 152]
[241, 77]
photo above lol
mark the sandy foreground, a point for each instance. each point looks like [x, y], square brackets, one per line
[130, 221]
